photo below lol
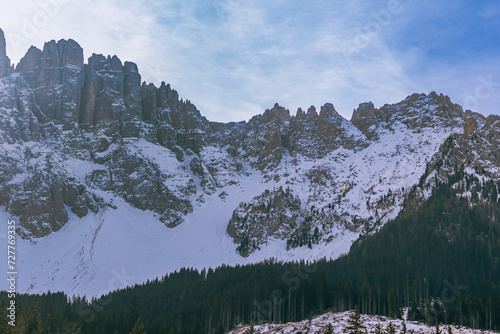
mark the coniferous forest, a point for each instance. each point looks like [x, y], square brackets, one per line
[441, 260]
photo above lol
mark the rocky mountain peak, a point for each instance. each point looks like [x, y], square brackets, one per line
[54, 55]
[442, 103]
[31, 61]
[328, 110]
[421, 110]
[99, 62]
[70, 53]
[312, 111]
[53, 65]
[417, 111]
[62, 53]
[473, 121]
[5, 68]
[276, 114]
[364, 116]
[3, 51]
[493, 121]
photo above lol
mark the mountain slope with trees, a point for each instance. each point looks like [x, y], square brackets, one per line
[441, 260]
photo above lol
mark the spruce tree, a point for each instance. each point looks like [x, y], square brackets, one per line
[328, 329]
[378, 329]
[354, 324]
[250, 330]
[20, 319]
[138, 327]
[438, 331]
[33, 321]
[70, 328]
[133, 313]
[403, 331]
[390, 328]
[449, 330]
[4, 326]
[48, 324]
[122, 323]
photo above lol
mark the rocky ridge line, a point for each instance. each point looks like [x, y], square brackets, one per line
[76, 132]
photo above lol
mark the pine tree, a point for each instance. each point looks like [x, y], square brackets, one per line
[133, 313]
[328, 329]
[4, 326]
[70, 328]
[449, 330]
[20, 319]
[403, 331]
[33, 321]
[250, 330]
[438, 331]
[390, 328]
[122, 323]
[355, 325]
[48, 324]
[378, 329]
[138, 327]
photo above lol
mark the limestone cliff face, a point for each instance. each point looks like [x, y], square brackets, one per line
[275, 213]
[316, 136]
[102, 95]
[265, 138]
[76, 134]
[473, 121]
[438, 108]
[58, 108]
[3, 48]
[365, 119]
[56, 77]
[5, 68]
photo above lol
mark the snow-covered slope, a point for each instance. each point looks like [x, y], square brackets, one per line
[112, 182]
[124, 245]
[339, 322]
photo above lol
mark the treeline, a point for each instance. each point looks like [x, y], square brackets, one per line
[442, 261]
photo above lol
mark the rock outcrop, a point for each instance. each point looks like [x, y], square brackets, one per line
[416, 111]
[5, 68]
[56, 77]
[364, 118]
[275, 213]
[473, 121]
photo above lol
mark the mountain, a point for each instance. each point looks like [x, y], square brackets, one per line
[113, 181]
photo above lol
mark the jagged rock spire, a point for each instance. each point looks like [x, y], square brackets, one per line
[3, 51]
[5, 68]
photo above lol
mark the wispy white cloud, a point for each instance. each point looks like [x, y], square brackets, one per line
[235, 58]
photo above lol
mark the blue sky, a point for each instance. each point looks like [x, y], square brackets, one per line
[234, 58]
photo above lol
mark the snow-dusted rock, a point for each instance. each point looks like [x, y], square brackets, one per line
[88, 144]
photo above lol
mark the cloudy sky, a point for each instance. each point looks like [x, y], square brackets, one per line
[234, 58]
